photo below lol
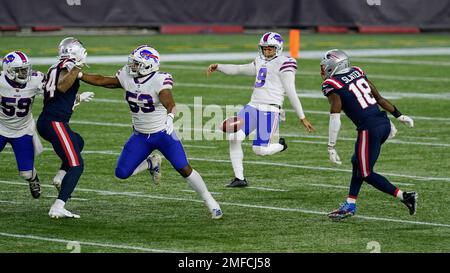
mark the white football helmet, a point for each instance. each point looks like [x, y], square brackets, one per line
[271, 39]
[17, 67]
[143, 61]
[334, 61]
[72, 48]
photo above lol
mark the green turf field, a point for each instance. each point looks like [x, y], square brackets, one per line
[284, 209]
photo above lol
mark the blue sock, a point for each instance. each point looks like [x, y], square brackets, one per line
[69, 182]
[380, 183]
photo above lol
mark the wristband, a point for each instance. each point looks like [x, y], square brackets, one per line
[396, 113]
[172, 115]
[80, 75]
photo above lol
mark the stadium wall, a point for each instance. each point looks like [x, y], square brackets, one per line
[430, 14]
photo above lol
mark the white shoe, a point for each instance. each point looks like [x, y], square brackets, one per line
[216, 214]
[60, 212]
[57, 180]
[155, 161]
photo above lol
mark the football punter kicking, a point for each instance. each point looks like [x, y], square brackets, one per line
[148, 93]
[348, 89]
[275, 78]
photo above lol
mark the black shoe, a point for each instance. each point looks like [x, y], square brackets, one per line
[410, 200]
[238, 183]
[282, 141]
[35, 187]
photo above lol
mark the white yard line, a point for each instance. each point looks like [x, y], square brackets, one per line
[230, 56]
[9, 202]
[284, 134]
[107, 245]
[247, 206]
[99, 100]
[266, 189]
[192, 191]
[301, 73]
[72, 198]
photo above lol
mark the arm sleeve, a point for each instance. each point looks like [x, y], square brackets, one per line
[333, 128]
[288, 80]
[242, 69]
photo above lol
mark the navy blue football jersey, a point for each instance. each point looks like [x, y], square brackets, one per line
[58, 105]
[357, 100]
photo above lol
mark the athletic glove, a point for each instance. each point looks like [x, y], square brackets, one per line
[169, 123]
[334, 157]
[406, 120]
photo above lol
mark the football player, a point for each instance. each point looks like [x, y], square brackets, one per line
[19, 85]
[275, 78]
[60, 97]
[348, 88]
[148, 94]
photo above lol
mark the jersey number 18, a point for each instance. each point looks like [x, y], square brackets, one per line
[362, 93]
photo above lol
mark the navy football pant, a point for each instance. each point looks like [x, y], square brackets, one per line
[67, 145]
[139, 146]
[23, 150]
[367, 150]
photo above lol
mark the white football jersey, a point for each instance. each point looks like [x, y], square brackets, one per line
[142, 94]
[16, 104]
[268, 88]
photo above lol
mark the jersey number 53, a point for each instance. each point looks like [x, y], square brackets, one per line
[143, 102]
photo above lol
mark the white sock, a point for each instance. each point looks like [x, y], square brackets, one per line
[351, 200]
[59, 203]
[236, 154]
[60, 176]
[270, 149]
[399, 194]
[198, 185]
[142, 167]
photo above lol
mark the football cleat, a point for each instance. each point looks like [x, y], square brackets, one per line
[216, 214]
[282, 141]
[35, 188]
[57, 180]
[238, 183]
[61, 212]
[154, 162]
[410, 201]
[345, 210]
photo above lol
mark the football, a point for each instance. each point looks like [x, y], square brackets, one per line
[232, 124]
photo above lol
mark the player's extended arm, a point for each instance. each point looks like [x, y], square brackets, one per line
[67, 78]
[233, 69]
[334, 126]
[388, 106]
[165, 96]
[99, 80]
[288, 80]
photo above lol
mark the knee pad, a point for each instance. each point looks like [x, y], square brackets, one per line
[122, 173]
[27, 175]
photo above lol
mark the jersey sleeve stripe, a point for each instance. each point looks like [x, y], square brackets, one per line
[168, 82]
[289, 63]
[334, 83]
[288, 66]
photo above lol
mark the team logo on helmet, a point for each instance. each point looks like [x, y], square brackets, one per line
[146, 54]
[332, 56]
[278, 38]
[8, 59]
